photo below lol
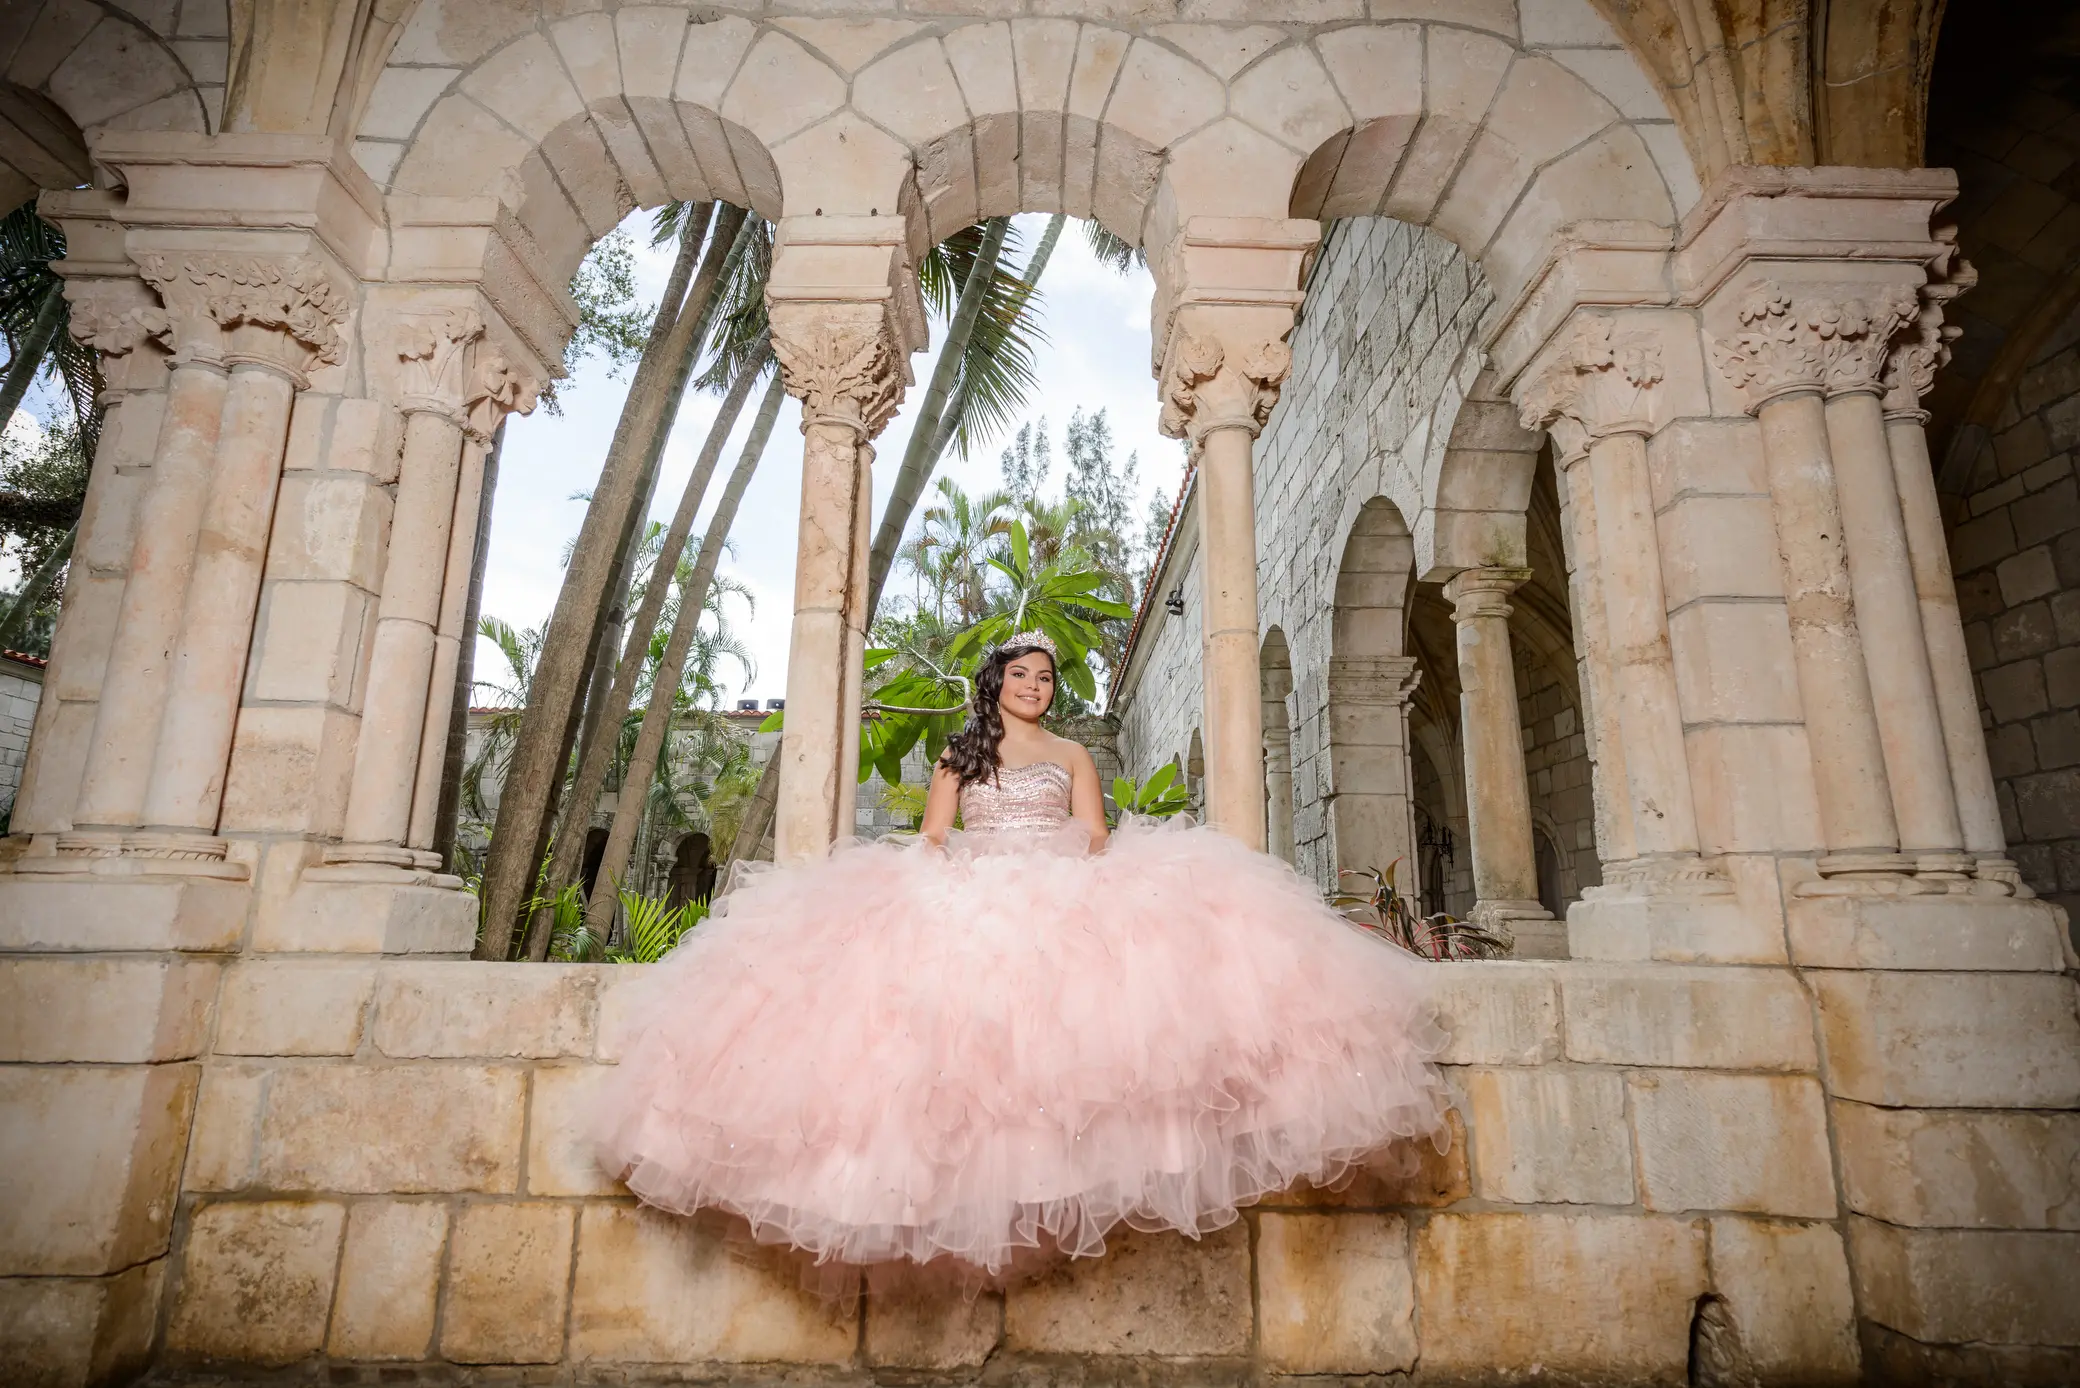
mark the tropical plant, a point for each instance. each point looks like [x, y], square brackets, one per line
[1381, 908]
[655, 926]
[1159, 797]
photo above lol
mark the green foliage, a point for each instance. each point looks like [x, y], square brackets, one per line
[654, 926]
[998, 369]
[1160, 796]
[612, 322]
[28, 245]
[43, 483]
[1113, 251]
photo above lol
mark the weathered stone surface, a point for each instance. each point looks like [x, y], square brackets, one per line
[93, 1161]
[227, 1127]
[1554, 1136]
[1603, 1296]
[389, 1280]
[468, 1008]
[256, 1280]
[654, 1288]
[121, 1011]
[103, 915]
[330, 916]
[1961, 1169]
[1732, 1142]
[1950, 1286]
[295, 1007]
[1959, 933]
[1788, 1286]
[1710, 1018]
[61, 1332]
[921, 1319]
[1408, 1173]
[393, 1129]
[509, 1268]
[1498, 1013]
[1335, 1294]
[561, 1157]
[1934, 1040]
[1149, 1294]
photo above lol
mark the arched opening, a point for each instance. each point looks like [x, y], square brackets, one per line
[1370, 679]
[1276, 666]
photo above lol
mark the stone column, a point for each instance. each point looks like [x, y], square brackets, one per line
[1278, 784]
[1910, 372]
[432, 349]
[447, 641]
[1218, 396]
[1585, 585]
[1498, 797]
[1775, 355]
[1888, 606]
[1370, 801]
[844, 368]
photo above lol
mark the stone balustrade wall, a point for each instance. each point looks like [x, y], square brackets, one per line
[387, 1165]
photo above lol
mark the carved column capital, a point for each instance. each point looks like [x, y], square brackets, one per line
[841, 363]
[1478, 593]
[231, 310]
[1790, 343]
[121, 319]
[1601, 382]
[1924, 348]
[433, 351]
[497, 389]
[1209, 384]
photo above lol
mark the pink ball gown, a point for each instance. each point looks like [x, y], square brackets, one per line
[1010, 1044]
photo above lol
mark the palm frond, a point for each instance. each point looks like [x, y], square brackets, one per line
[1112, 251]
[28, 245]
[738, 337]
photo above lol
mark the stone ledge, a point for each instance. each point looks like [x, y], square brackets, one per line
[1950, 933]
[1956, 1286]
[109, 1011]
[299, 1007]
[1691, 1017]
[467, 1008]
[1498, 1012]
[1951, 1040]
[1960, 1168]
[92, 914]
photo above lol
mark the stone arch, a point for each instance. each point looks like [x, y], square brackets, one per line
[1475, 503]
[68, 66]
[1369, 801]
[1193, 765]
[1275, 667]
[1370, 618]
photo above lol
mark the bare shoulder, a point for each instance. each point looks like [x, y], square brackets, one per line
[1075, 754]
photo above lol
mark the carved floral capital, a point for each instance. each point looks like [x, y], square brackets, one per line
[844, 373]
[496, 390]
[106, 314]
[432, 354]
[1798, 343]
[1924, 348]
[1600, 383]
[214, 300]
[1206, 386]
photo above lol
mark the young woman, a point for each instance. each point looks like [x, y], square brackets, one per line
[1016, 1034]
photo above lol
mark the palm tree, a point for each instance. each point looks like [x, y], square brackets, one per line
[550, 727]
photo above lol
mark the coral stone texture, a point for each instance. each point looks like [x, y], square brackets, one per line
[1630, 495]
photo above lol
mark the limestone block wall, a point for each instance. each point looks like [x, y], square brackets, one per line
[1556, 760]
[21, 689]
[2015, 544]
[393, 1150]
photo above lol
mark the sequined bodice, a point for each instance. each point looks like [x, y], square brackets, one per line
[1034, 796]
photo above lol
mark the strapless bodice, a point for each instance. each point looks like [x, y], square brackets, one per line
[1034, 796]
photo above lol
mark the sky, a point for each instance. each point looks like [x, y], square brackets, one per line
[1097, 357]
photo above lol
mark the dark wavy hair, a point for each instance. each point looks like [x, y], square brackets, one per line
[971, 754]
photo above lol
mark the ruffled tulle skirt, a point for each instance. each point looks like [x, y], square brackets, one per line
[901, 1052]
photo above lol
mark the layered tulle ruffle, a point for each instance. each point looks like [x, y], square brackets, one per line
[1005, 1045]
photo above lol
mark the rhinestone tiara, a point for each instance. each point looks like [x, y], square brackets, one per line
[1021, 639]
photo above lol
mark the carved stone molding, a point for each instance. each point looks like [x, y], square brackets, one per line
[214, 300]
[844, 372]
[110, 316]
[1790, 343]
[1479, 593]
[1924, 349]
[1601, 382]
[497, 389]
[1207, 386]
[1389, 681]
[432, 354]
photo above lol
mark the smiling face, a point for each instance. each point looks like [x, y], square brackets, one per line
[1028, 687]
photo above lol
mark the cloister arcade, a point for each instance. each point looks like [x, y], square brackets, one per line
[1791, 1087]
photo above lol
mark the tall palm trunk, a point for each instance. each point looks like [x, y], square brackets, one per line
[33, 348]
[601, 710]
[541, 749]
[936, 424]
[456, 751]
[568, 854]
[664, 686]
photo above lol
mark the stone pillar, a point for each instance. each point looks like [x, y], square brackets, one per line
[1371, 794]
[1777, 357]
[447, 641]
[1888, 607]
[1278, 783]
[1226, 295]
[433, 349]
[1910, 372]
[1498, 796]
[1585, 585]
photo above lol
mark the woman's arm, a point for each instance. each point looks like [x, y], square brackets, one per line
[941, 800]
[1086, 797]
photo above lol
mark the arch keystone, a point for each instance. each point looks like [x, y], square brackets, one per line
[781, 88]
[1289, 96]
